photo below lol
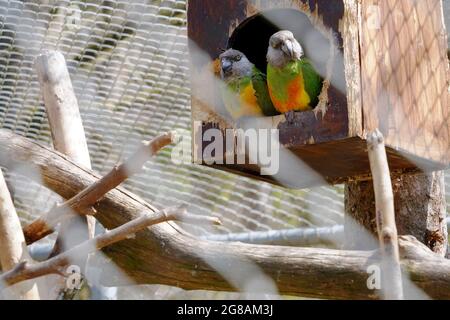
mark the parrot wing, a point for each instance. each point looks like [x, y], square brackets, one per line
[313, 81]
[259, 82]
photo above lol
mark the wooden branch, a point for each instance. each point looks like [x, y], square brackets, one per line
[68, 137]
[55, 265]
[385, 217]
[164, 254]
[63, 113]
[12, 240]
[83, 201]
[334, 234]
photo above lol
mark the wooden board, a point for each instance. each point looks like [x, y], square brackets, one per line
[231, 27]
[349, 162]
[405, 75]
[333, 144]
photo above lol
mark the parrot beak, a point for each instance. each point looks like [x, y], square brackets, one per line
[226, 66]
[288, 49]
[292, 49]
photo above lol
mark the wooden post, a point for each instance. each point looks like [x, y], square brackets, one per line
[66, 128]
[12, 241]
[396, 51]
[420, 210]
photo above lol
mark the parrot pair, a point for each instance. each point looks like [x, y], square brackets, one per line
[292, 84]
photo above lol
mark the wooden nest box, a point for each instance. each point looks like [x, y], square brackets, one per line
[384, 64]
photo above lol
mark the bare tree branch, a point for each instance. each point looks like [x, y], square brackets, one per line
[25, 271]
[385, 217]
[63, 112]
[83, 201]
[68, 137]
[12, 248]
[180, 259]
[297, 237]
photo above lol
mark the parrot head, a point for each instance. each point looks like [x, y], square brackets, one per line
[283, 48]
[234, 65]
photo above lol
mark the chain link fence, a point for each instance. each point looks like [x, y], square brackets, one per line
[129, 65]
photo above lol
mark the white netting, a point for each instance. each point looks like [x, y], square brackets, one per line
[128, 61]
[129, 67]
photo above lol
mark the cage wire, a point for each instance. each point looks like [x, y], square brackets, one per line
[400, 85]
[407, 87]
[129, 65]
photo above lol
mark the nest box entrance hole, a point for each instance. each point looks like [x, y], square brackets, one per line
[321, 45]
[252, 38]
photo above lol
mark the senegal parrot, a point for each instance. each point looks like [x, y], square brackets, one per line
[294, 84]
[244, 91]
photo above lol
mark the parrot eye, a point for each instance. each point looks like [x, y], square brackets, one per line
[238, 58]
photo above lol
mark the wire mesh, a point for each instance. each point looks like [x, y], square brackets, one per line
[128, 62]
[405, 76]
[129, 67]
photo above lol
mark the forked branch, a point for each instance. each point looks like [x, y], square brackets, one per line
[25, 271]
[82, 203]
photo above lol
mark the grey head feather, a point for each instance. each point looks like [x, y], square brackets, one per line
[283, 48]
[234, 65]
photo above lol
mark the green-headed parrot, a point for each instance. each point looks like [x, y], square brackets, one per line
[245, 92]
[294, 84]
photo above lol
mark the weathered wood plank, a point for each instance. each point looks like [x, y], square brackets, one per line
[405, 75]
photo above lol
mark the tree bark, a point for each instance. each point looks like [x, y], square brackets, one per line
[420, 210]
[12, 243]
[55, 265]
[64, 116]
[391, 276]
[68, 137]
[84, 200]
[164, 254]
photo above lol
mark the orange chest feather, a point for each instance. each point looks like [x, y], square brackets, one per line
[248, 96]
[294, 96]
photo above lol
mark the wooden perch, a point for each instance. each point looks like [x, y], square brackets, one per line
[68, 137]
[12, 248]
[25, 271]
[165, 255]
[385, 217]
[299, 237]
[83, 202]
[62, 112]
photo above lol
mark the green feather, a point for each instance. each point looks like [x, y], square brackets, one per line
[281, 78]
[313, 81]
[259, 82]
[236, 85]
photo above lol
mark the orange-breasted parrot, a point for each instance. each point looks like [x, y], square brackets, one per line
[294, 84]
[245, 92]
